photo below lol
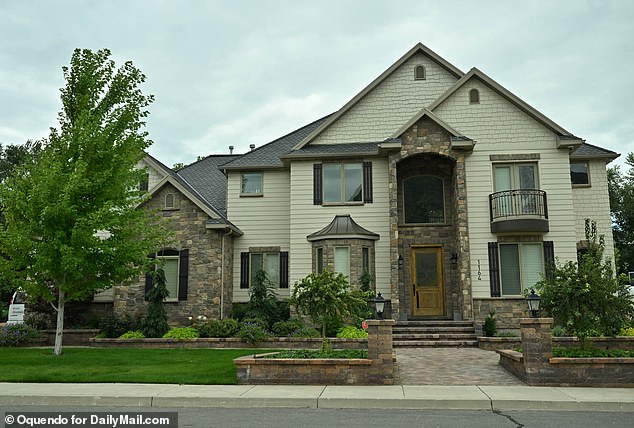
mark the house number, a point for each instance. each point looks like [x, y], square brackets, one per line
[479, 272]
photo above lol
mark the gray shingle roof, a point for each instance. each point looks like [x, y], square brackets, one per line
[587, 151]
[335, 149]
[208, 180]
[268, 155]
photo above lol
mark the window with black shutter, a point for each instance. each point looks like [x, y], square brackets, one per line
[317, 185]
[494, 269]
[284, 269]
[244, 270]
[367, 182]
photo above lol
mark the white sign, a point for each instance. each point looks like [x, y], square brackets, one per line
[16, 313]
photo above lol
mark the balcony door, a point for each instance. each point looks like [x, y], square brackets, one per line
[510, 177]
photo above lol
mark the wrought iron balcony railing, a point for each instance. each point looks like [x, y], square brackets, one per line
[518, 203]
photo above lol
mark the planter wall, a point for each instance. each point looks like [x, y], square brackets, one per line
[499, 343]
[536, 365]
[79, 337]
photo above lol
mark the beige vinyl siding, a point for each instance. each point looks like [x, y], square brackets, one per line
[154, 176]
[594, 203]
[263, 220]
[307, 218]
[499, 127]
[392, 103]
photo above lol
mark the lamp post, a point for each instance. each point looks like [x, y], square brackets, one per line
[533, 303]
[379, 304]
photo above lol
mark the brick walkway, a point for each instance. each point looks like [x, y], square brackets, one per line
[451, 366]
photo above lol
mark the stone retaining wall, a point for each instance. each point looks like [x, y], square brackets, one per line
[70, 337]
[498, 343]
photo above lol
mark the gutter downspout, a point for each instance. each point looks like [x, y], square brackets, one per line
[222, 274]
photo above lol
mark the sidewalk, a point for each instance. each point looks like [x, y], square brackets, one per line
[499, 398]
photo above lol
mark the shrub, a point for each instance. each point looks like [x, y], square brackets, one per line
[252, 332]
[352, 332]
[257, 321]
[591, 353]
[227, 327]
[559, 331]
[585, 297]
[507, 334]
[181, 333]
[306, 332]
[490, 325]
[37, 320]
[155, 322]
[113, 326]
[16, 334]
[133, 334]
[287, 328]
[627, 332]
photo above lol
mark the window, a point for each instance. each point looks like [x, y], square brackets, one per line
[145, 182]
[420, 73]
[521, 266]
[320, 260]
[251, 183]
[175, 264]
[342, 261]
[515, 176]
[579, 174]
[365, 259]
[343, 182]
[424, 199]
[474, 96]
[169, 201]
[269, 263]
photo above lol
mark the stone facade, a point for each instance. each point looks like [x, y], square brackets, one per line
[507, 311]
[356, 256]
[205, 268]
[427, 150]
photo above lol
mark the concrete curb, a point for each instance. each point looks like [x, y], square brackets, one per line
[497, 398]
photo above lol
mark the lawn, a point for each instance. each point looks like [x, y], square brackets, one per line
[125, 365]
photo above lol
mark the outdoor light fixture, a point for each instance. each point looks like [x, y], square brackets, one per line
[454, 258]
[379, 304]
[400, 260]
[533, 303]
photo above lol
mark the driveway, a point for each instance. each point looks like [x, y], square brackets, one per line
[451, 366]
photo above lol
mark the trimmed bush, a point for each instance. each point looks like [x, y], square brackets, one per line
[113, 326]
[252, 332]
[287, 328]
[352, 332]
[134, 334]
[181, 333]
[227, 327]
[306, 332]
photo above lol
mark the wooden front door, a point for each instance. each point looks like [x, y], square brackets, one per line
[426, 277]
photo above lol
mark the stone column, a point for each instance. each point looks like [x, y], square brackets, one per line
[537, 348]
[380, 350]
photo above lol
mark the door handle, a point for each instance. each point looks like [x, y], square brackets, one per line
[414, 287]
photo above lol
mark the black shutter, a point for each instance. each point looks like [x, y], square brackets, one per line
[149, 278]
[284, 269]
[494, 269]
[549, 259]
[317, 189]
[367, 182]
[244, 270]
[183, 275]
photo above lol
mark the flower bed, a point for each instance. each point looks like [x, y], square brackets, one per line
[229, 342]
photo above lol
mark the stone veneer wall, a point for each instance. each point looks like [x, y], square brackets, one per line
[508, 311]
[431, 145]
[205, 260]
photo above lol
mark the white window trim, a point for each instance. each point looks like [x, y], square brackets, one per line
[582, 185]
[252, 194]
[264, 255]
[520, 255]
[515, 173]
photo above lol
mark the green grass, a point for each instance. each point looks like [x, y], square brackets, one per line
[129, 365]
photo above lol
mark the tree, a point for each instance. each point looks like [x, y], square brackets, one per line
[585, 297]
[15, 156]
[72, 223]
[326, 296]
[621, 191]
[154, 323]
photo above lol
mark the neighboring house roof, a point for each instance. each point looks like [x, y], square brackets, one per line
[208, 180]
[268, 155]
[589, 151]
[376, 82]
[343, 227]
[526, 108]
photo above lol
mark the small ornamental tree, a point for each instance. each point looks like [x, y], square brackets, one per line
[72, 227]
[326, 296]
[155, 322]
[585, 297]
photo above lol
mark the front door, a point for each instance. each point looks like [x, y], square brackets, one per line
[426, 268]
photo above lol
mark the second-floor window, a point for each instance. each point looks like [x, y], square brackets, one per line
[579, 174]
[251, 183]
[515, 176]
[343, 182]
[424, 199]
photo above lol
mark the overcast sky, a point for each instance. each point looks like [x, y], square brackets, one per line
[241, 72]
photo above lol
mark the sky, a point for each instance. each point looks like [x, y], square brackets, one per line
[247, 72]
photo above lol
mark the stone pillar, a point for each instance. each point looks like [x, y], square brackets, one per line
[380, 350]
[537, 348]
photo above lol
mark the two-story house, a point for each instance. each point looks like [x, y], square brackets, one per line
[449, 190]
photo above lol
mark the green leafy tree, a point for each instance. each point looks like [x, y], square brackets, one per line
[72, 223]
[326, 296]
[13, 157]
[621, 191]
[585, 297]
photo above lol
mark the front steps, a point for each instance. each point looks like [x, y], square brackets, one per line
[413, 334]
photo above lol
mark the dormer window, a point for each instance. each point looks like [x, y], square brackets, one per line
[474, 96]
[420, 73]
[169, 201]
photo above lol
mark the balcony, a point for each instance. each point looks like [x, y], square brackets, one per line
[519, 211]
